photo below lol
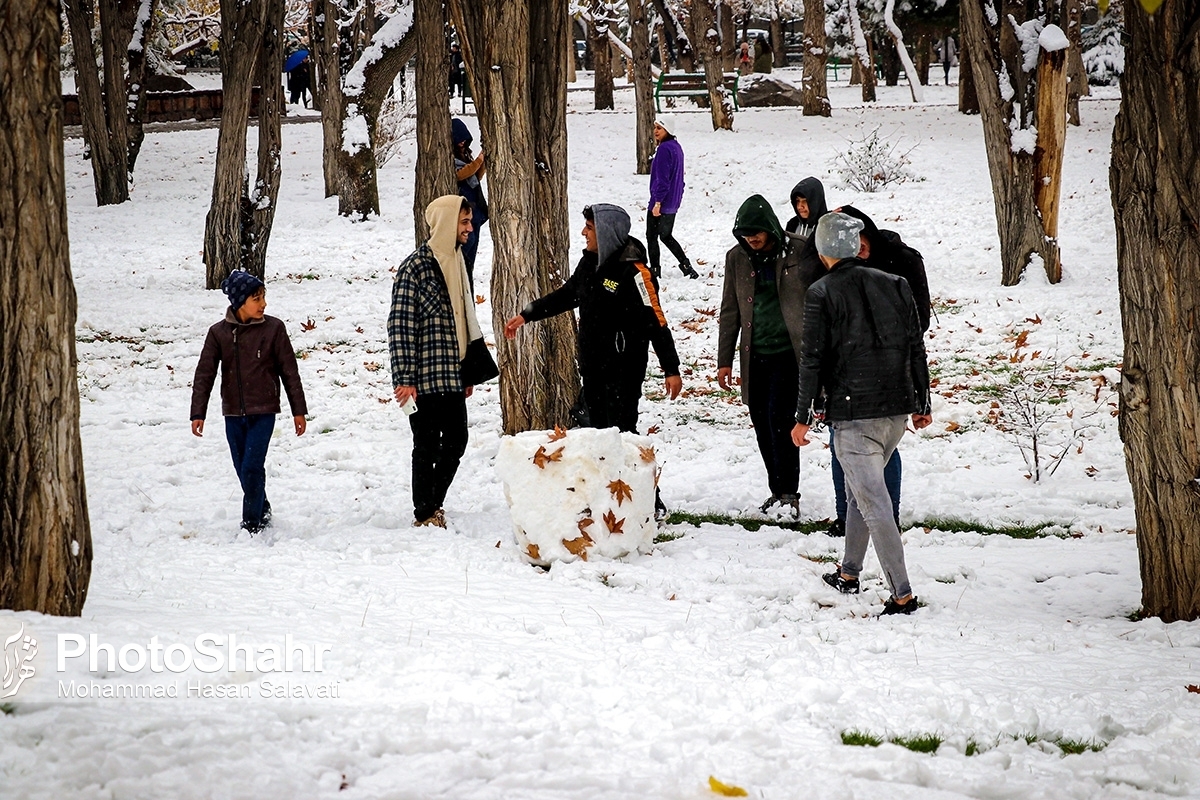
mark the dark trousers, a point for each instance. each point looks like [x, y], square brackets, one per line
[661, 227]
[772, 387]
[612, 393]
[248, 438]
[439, 440]
[892, 474]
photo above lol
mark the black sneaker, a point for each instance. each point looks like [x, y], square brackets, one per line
[892, 607]
[660, 508]
[252, 528]
[843, 585]
[837, 530]
[688, 271]
[773, 500]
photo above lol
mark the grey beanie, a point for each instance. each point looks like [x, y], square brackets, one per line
[837, 235]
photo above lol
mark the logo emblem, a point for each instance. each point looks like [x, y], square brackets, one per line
[19, 650]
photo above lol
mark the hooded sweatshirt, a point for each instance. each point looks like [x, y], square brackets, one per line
[813, 191]
[471, 188]
[617, 297]
[891, 255]
[442, 217]
[769, 334]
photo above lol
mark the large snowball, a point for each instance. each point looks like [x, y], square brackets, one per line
[583, 493]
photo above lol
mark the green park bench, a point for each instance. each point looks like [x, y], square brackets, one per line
[689, 84]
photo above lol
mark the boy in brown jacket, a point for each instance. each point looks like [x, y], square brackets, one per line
[254, 353]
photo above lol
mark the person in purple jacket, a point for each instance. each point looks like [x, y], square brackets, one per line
[666, 193]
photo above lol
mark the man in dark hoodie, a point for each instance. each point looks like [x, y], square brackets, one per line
[468, 170]
[863, 348]
[808, 200]
[884, 251]
[619, 318]
[763, 306]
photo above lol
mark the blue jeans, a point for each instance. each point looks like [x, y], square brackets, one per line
[248, 439]
[892, 474]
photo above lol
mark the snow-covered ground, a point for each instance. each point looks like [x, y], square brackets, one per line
[462, 672]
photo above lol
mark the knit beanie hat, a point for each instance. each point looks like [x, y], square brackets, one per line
[239, 286]
[666, 122]
[837, 236]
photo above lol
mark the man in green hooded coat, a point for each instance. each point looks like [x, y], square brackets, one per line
[762, 318]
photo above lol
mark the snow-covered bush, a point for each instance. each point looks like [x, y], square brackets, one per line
[397, 123]
[1103, 53]
[584, 494]
[872, 163]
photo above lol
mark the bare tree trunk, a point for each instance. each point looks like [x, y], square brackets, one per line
[902, 52]
[363, 92]
[601, 56]
[779, 47]
[512, 49]
[923, 49]
[728, 29]
[264, 196]
[570, 52]
[1076, 72]
[242, 29]
[1051, 141]
[327, 44]
[995, 57]
[968, 100]
[45, 538]
[137, 91]
[814, 93]
[1155, 180]
[705, 29]
[643, 85]
[435, 156]
[685, 56]
[864, 54]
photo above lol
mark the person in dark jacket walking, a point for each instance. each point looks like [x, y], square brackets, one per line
[469, 171]
[884, 251]
[298, 82]
[619, 318]
[666, 194]
[430, 325]
[253, 353]
[863, 348]
[808, 201]
[763, 307]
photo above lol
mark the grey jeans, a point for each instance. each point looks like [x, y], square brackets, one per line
[863, 448]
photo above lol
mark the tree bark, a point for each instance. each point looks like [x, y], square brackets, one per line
[995, 60]
[45, 538]
[1155, 181]
[864, 54]
[704, 27]
[643, 85]
[363, 91]
[814, 93]
[681, 43]
[728, 29]
[263, 198]
[435, 155]
[513, 50]
[327, 45]
[1076, 71]
[1051, 141]
[923, 48]
[602, 73]
[968, 100]
[779, 46]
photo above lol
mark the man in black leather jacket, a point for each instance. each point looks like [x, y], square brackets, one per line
[863, 348]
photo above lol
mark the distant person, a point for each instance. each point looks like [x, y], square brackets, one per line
[456, 70]
[745, 61]
[948, 55]
[253, 353]
[762, 320]
[469, 170]
[863, 348]
[620, 316]
[808, 201]
[666, 195]
[299, 79]
[432, 321]
[764, 57]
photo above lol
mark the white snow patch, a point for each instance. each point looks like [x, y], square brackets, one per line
[1052, 39]
[355, 135]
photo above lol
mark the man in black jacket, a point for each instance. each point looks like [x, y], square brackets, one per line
[863, 347]
[619, 317]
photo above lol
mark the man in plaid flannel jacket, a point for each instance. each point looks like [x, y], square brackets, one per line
[426, 365]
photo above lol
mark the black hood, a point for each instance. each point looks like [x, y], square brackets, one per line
[881, 248]
[812, 190]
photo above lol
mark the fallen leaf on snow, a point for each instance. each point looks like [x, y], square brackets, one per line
[725, 789]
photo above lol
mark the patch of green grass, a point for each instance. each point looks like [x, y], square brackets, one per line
[973, 748]
[956, 525]
[826, 558]
[8, 709]
[857, 738]
[667, 536]
[749, 523]
[1073, 747]
[920, 743]
[1137, 615]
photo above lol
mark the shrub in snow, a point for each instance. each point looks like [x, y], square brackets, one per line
[1103, 53]
[872, 163]
[397, 123]
[584, 494]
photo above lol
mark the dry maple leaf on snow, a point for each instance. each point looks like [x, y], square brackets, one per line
[620, 490]
[647, 454]
[558, 433]
[586, 522]
[613, 524]
[534, 553]
[579, 546]
[541, 457]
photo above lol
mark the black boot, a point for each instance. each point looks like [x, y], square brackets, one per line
[688, 271]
